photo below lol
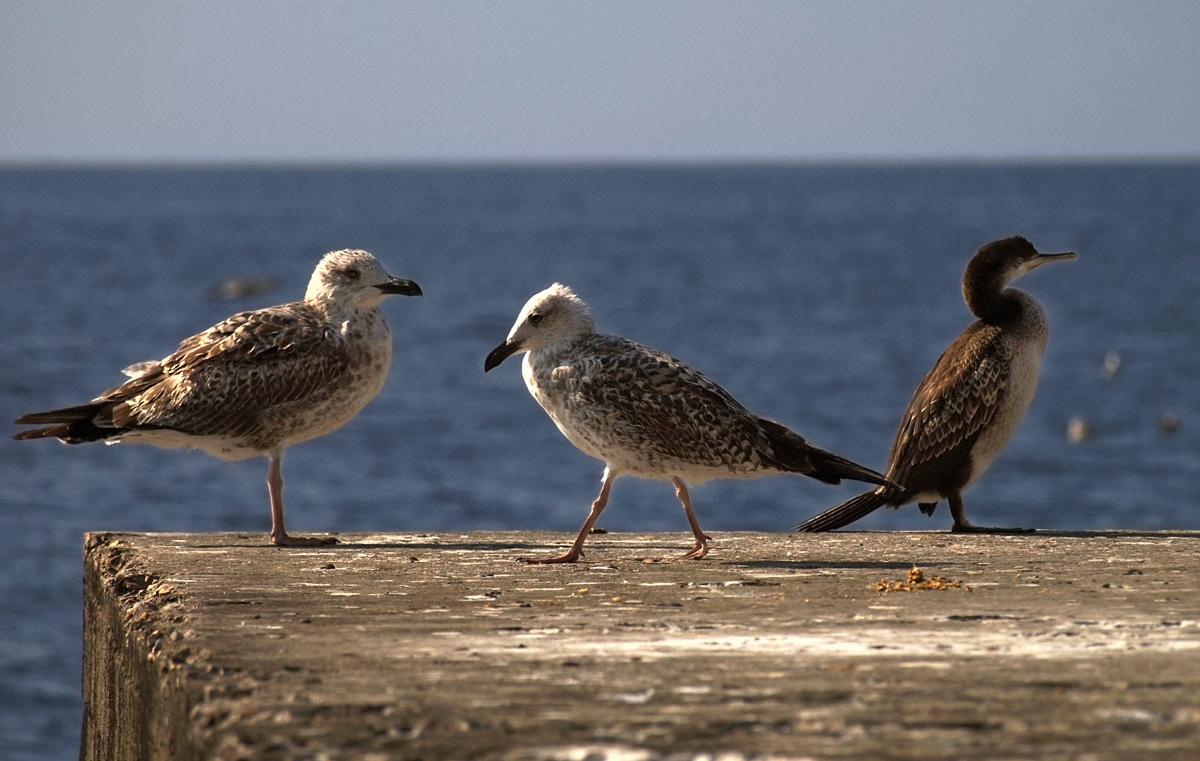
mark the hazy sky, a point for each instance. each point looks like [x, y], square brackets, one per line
[559, 80]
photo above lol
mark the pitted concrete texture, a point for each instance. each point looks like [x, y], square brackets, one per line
[1051, 645]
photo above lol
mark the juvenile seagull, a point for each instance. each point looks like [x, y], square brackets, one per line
[647, 414]
[973, 399]
[257, 382]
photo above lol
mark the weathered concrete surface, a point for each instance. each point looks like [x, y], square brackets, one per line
[444, 646]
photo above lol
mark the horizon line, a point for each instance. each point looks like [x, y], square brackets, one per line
[565, 163]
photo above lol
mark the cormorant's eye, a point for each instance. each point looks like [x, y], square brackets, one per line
[351, 272]
[536, 318]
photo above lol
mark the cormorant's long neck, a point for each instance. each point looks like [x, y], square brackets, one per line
[987, 297]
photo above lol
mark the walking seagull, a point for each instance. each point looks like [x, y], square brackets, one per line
[972, 401]
[647, 414]
[257, 382]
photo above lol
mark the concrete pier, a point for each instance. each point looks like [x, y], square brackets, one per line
[1050, 646]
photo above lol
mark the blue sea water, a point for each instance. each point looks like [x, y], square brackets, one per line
[817, 295]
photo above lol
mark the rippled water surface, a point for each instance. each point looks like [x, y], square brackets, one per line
[817, 295]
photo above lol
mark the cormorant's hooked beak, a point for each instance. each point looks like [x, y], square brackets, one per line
[400, 287]
[1040, 259]
[501, 353]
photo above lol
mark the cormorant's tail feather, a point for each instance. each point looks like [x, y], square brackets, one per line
[845, 513]
[794, 454]
[74, 425]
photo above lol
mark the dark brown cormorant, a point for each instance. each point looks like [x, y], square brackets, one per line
[973, 399]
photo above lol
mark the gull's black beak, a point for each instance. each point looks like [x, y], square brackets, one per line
[1040, 259]
[400, 287]
[499, 354]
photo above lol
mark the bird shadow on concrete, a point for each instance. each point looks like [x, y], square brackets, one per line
[454, 546]
[1041, 533]
[1119, 534]
[819, 565]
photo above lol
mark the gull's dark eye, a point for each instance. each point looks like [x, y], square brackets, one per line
[536, 318]
[351, 272]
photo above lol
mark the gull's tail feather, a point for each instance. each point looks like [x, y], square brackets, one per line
[73, 425]
[845, 513]
[832, 469]
[794, 454]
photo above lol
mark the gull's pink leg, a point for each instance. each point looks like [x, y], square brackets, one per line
[576, 551]
[702, 539]
[279, 536]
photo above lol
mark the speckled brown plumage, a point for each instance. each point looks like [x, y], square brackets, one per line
[647, 414]
[652, 415]
[256, 382]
